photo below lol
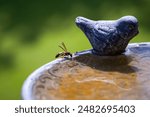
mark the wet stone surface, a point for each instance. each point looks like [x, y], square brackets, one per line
[88, 76]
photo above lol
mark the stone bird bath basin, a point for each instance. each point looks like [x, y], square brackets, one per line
[87, 76]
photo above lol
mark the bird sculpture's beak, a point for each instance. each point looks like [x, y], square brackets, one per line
[137, 32]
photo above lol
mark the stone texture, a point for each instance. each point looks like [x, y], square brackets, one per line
[109, 37]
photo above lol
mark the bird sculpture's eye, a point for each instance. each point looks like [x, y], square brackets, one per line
[98, 28]
[131, 27]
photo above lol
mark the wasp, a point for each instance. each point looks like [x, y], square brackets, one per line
[65, 53]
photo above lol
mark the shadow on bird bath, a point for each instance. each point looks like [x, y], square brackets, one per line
[120, 63]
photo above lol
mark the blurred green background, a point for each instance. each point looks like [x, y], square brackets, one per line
[31, 30]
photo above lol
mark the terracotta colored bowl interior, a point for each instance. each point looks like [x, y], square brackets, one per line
[88, 76]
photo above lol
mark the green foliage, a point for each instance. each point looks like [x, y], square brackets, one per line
[31, 30]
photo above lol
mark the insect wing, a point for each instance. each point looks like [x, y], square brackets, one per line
[64, 46]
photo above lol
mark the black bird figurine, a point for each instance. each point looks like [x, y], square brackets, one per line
[109, 37]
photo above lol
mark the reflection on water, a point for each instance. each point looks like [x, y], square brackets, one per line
[95, 77]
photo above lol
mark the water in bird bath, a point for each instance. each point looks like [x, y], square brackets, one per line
[89, 76]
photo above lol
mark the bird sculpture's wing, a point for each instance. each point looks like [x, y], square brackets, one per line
[104, 36]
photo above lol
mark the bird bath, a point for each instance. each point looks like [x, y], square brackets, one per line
[88, 76]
